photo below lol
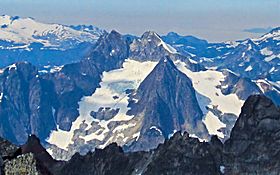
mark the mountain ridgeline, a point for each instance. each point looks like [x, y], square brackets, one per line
[251, 149]
[138, 92]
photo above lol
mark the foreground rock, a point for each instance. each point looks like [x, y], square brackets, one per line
[254, 145]
[253, 148]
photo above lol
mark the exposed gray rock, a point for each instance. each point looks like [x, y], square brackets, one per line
[166, 103]
[242, 87]
[23, 164]
[150, 47]
[253, 147]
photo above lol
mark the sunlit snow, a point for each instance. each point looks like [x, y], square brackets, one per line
[208, 95]
[114, 83]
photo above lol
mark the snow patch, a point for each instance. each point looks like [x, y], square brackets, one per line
[213, 124]
[157, 129]
[222, 169]
[249, 68]
[1, 96]
[271, 57]
[56, 69]
[114, 83]
[13, 66]
[266, 52]
[208, 95]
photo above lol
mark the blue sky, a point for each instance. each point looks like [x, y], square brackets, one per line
[215, 20]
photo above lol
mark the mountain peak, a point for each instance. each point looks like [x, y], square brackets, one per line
[168, 98]
[173, 34]
[258, 112]
[275, 30]
[150, 33]
[151, 36]
[27, 30]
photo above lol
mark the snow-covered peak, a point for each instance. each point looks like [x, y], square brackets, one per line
[273, 34]
[151, 36]
[28, 30]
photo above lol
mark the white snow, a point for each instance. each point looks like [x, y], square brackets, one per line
[272, 69]
[222, 169]
[1, 96]
[249, 68]
[114, 83]
[265, 85]
[213, 124]
[192, 61]
[205, 84]
[170, 135]
[271, 57]
[50, 151]
[166, 46]
[266, 52]
[56, 69]
[169, 48]
[157, 129]
[13, 66]
[136, 135]
[112, 52]
[25, 30]
[274, 35]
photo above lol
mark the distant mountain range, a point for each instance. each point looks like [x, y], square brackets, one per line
[101, 88]
[25, 39]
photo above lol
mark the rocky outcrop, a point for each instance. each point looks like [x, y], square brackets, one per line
[253, 147]
[24, 164]
[25, 106]
[183, 155]
[166, 104]
[39, 153]
[242, 87]
[80, 79]
[111, 160]
[35, 103]
[150, 47]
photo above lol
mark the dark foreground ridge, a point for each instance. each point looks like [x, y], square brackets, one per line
[253, 148]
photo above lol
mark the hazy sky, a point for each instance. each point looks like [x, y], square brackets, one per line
[214, 20]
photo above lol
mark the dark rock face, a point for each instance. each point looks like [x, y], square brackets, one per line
[7, 149]
[24, 164]
[179, 155]
[167, 103]
[25, 106]
[245, 56]
[150, 47]
[253, 147]
[183, 155]
[111, 160]
[34, 104]
[80, 79]
[242, 87]
[43, 158]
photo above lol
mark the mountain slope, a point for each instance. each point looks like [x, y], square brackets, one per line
[34, 103]
[167, 103]
[256, 58]
[27, 30]
[25, 39]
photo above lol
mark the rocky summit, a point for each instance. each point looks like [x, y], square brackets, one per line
[251, 149]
